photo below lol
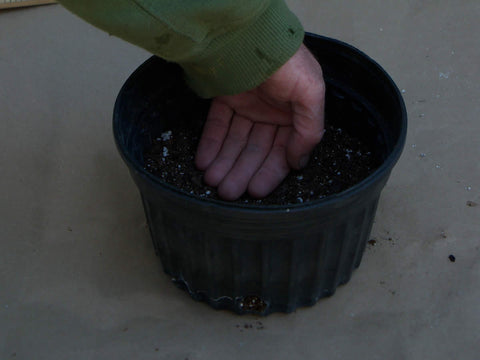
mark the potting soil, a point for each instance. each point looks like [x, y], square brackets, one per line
[340, 161]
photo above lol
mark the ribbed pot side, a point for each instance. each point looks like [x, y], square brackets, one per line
[264, 259]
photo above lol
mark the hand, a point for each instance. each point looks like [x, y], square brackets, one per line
[250, 141]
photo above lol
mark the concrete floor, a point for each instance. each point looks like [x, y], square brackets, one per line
[78, 275]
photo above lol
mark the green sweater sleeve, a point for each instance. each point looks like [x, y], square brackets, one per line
[224, 46]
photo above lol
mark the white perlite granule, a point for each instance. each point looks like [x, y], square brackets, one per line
[166, 135]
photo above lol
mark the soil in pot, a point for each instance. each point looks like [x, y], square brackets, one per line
[340, 161]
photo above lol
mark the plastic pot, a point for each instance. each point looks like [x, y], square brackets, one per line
[262, 259]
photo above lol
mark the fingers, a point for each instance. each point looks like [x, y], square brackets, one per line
[214, 132]
[234, 143]
[231, 150]
[274, 169]
[250, 160]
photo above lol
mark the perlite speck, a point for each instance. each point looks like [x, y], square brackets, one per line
[166, 135]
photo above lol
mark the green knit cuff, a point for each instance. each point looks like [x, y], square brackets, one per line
[241, 60]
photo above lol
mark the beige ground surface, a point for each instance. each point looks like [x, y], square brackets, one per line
[78, 276]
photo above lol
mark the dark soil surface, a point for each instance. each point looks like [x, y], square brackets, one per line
[340, 161]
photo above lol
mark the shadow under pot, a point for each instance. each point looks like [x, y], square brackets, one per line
[249, 256]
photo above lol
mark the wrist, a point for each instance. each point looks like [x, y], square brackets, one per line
[241, 60]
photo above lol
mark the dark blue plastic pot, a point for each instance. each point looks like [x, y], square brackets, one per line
[262, 259]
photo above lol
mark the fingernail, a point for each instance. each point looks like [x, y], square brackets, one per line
[303, 161]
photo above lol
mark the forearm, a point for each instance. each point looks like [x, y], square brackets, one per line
[224, 46]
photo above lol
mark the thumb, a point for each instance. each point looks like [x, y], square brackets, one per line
[301, 144]
[307, 125]
[308, 105]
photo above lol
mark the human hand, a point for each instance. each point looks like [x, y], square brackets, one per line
[250, 141]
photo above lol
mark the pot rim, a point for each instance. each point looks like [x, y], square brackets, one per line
[381, 171]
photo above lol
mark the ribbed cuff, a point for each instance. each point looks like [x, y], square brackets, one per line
[239, 61]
